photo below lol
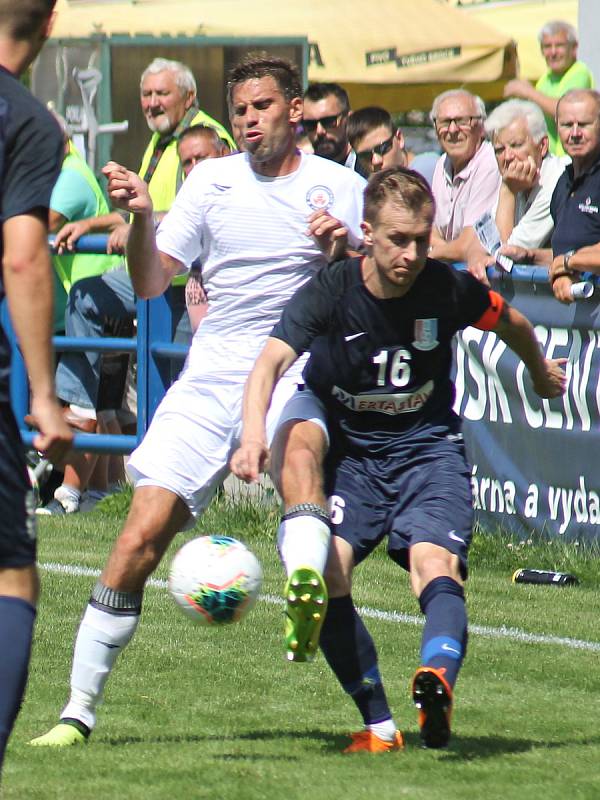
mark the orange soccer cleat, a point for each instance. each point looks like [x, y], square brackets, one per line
[368, 742]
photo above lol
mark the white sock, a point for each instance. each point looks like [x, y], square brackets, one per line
[303, 541]
[100, 639]
[66, 493]
[385, 730]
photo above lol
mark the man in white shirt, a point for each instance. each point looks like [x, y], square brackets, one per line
[261, 222]
[519, 136]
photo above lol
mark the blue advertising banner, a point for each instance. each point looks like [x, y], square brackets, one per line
[535, 467]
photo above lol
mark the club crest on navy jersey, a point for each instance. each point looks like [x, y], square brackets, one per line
[426, 334]
[319, 198]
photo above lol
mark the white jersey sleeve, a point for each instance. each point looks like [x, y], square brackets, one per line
[250, 234]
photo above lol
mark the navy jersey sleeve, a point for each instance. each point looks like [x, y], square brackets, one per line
[308, 312]
[32, 158]
[475, 303]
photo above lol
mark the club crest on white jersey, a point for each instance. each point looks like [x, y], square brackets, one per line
[426, 331]
[319, 198]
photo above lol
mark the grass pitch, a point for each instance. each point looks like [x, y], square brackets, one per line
[219, 713]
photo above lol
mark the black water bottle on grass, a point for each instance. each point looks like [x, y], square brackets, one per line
[545, 576]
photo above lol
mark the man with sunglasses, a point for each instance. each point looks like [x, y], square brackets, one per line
[466, 180]
[324, 120]
[379, 144]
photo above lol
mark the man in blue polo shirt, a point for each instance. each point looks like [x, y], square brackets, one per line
[575, 204]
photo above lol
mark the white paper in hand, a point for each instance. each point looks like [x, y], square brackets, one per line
[489, 236]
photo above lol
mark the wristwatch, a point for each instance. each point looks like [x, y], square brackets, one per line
[566, 258]
[566, 271]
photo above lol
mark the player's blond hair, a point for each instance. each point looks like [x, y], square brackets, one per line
[400, 186]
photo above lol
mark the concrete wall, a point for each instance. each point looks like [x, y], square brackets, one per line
[589, 36]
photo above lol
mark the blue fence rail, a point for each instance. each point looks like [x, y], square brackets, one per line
[152, 345]
[155, 351]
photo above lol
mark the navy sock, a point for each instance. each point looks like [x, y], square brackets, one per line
[16, 627]
[348, 647]
[444, 642]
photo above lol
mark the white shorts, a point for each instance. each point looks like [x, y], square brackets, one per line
[306, 406]
[193, 435]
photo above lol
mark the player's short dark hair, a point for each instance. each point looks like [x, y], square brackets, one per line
[21, 19]
[264, 65]
[398, 185]
[365, 120]
[202, 130]
[319, 91]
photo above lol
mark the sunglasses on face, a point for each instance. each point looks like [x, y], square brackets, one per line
[379, 150]
[328, 123]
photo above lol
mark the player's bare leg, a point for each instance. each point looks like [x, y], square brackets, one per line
[156, 515]
[303, 539]
[113, 613]
[297, 456]
[436, 581]
[350, 652]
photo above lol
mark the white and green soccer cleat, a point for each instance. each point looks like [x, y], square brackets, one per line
[306, 605]
[65, 734]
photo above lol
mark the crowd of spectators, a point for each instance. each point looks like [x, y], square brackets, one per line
[516, 172]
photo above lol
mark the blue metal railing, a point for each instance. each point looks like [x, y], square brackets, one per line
[154, 349]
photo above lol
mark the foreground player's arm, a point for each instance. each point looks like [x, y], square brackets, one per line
[276, 357]
[547, 374]
[151, 270]
[29, 289]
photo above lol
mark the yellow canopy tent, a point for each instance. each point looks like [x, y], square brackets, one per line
[396, 53]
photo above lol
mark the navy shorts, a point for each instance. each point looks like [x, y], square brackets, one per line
[422, 494]
[17, 512]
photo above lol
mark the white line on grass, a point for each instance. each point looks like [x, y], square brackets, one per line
[514, 634]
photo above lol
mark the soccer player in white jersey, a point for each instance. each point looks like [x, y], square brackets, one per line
[261, 222]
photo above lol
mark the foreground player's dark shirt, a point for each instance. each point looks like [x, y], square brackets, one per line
[31, 147]
[383, 366]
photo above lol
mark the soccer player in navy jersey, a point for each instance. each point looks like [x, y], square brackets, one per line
[376, 410]
[30, 157]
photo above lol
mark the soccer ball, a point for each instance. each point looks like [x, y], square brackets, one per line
[215, 580]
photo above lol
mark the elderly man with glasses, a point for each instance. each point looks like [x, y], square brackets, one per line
[326, 112]
[466, 180]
